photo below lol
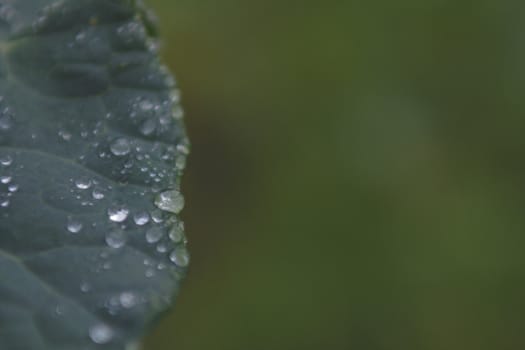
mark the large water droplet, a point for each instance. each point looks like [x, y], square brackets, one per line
[157, 216]
[116, 239]
[128, 300]
[141, 218]
[73, 225]
[98, 193]
[118, 213]
[6, 160]
[180, 256]
[183, 149]
[176, 234]
[4, 202]
[83, 183]
[148, 127]
[101, 334]
[5, 179]
[162, 248]
[120, 147]
[171, 201]
[154, 234]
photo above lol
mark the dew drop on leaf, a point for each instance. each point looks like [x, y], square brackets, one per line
[118, 213]
[6, 160]
[97, 193]
[5, 179]
[180, 257]
[141, 218]
[148, 127]
[120, 147]
[83, 183]
[128, 300]
[171, 201]
[101, 334]
[176, 234]
[116, 239]
[154, 234]
[73, 225]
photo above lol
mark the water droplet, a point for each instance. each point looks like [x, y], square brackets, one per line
[154, 234]
[128, 300]
[5, 179]
[162, 248]
[183, 149]
[73, 225]
[118, 213]
[148, 127]
[101, 334]
[4, 202]
[59, 310]
[141, 218]
[180, 162]
[65, 135]
[116, 239]
[178, 113]
[171, 201]
[176, 234]
[6, 160]
[81, 36]
[180, 256]
[157, 216]
[83, 183]
[120, 147]
[85, 287]
[97, 193]
[146, 105]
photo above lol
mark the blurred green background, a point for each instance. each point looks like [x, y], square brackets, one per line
[357, 174]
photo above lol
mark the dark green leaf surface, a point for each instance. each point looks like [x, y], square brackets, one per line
[92, 147]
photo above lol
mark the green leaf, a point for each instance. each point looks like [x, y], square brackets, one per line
[92, 147]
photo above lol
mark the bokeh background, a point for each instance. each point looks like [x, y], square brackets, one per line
[357, 174]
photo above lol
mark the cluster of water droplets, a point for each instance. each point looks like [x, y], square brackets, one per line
[155, 225]
[161, 230]
[88, 191]
[153, 117]
[131, 33]
[8, 186]
[166, 232]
